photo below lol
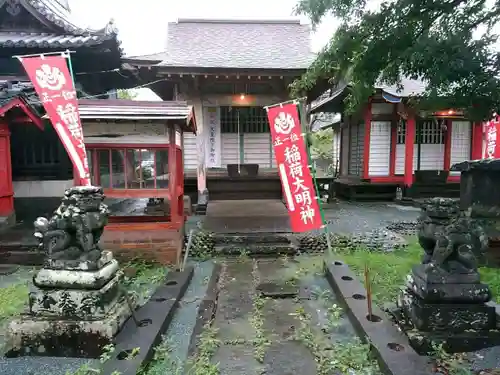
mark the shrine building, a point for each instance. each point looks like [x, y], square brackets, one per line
[135, 149]
[228, 70]
[35, 167]
[386, 146]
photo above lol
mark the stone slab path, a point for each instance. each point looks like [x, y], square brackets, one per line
[260, 215]
[261, 335]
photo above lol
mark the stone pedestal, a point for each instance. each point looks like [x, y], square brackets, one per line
[448, 308]
[76, 302]
[71, 312]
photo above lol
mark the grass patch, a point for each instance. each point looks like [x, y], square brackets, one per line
[13, 299]
[143, 278]
[388, 270]
[491, 277]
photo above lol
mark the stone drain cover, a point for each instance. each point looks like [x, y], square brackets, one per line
[275, 290]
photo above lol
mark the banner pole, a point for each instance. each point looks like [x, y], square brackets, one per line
[303, 120]
[67, 54]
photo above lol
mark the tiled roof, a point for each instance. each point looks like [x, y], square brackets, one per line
[122, 109]
[60, 15]
[23, 90]
[45, 40]
[410, 87]
[237, 44]
[65, 34]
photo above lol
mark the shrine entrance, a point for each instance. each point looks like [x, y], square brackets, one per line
[14, 113]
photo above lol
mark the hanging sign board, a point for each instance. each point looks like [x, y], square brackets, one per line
[213, 133]
[292, 161]
[54, 85]
[491, 130]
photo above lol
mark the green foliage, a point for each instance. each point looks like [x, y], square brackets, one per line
[322, 144]
[432, 40]
[126, 94]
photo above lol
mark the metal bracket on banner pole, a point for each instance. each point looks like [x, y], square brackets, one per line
[66, 52]
[296, 101]
[303, 122]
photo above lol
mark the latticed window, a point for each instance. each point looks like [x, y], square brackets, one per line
[243, 120]
[401, 132]
[38, 154]
[129, 168]
[430, 132]
[427, 132]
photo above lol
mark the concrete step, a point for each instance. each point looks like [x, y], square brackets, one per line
[254, 238]
[256, 250]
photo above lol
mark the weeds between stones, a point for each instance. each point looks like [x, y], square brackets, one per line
[162, 362]
[202, 364]
[107, 354]
[260, 341]
[142, 278]
[338, 357]
[450, 364]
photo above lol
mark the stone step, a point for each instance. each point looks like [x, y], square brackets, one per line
[253, 238]
[256, 249]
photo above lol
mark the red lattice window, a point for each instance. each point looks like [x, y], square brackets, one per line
[131, 171]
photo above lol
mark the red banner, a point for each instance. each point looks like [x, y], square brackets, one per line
[292, 160]
[54, 85]
[491, 129]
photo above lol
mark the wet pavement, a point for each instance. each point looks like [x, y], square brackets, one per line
[262, 335]
[256, 215]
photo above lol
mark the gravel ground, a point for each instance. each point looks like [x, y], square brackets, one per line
[353, 218]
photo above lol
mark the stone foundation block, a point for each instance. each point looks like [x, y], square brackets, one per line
[32, 335]
[75, 303]
[443, 317]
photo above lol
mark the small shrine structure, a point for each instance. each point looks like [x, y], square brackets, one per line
[232, 70]
[35, 169]
[387, 145]
[135, 153]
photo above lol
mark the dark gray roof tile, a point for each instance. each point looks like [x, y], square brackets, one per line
[238, 44]
[47, 40]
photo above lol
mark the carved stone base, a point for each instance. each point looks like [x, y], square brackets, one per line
[75, 279]
[86, 304]
[81, 265]
[434, 285]
[32, 335]
[441, 317]
[465, 342]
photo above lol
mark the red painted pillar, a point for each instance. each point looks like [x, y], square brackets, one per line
[172, 173]
[394, 140]
[447, 145]
[409, 146]
[477, 141]
[6, 189]
[180, 175]
[366, 151]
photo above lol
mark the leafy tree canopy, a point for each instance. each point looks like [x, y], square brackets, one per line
[432, 40]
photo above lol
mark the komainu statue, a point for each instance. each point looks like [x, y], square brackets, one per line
[72, 234]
